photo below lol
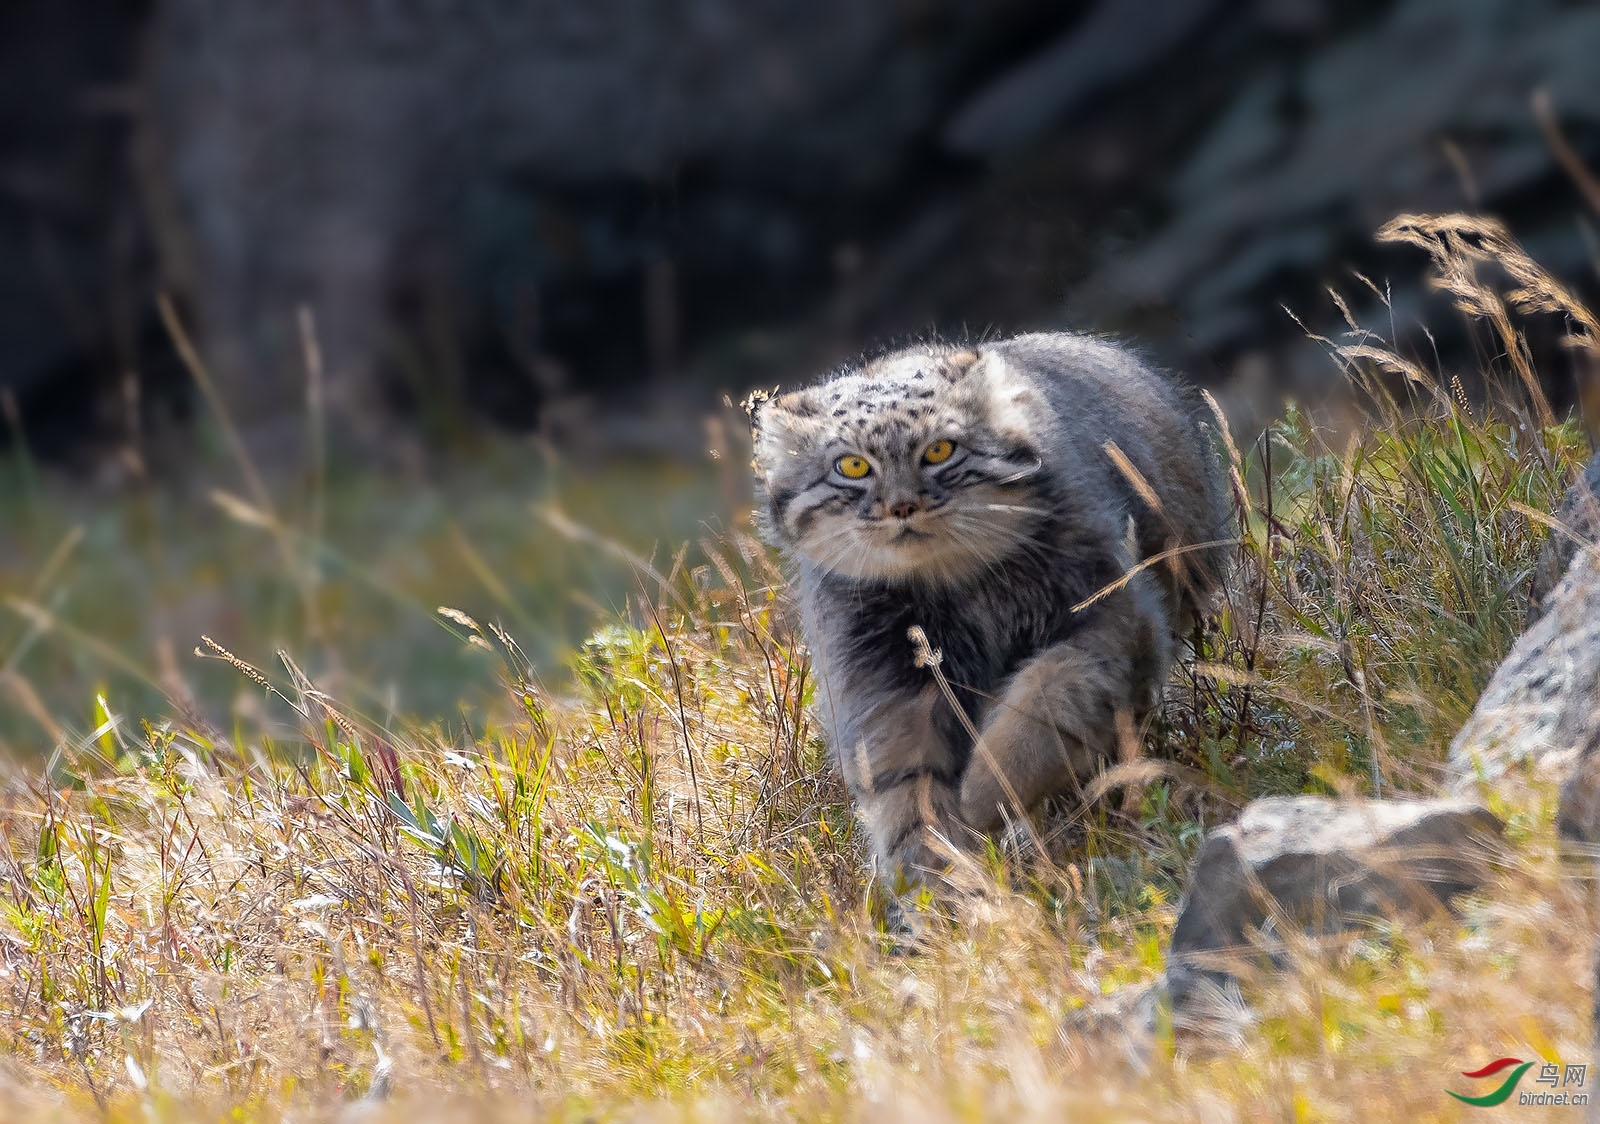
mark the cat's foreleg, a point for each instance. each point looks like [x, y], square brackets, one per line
[1070, 706]
[904, 777]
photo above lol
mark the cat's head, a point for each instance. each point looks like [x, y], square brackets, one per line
[920, 466]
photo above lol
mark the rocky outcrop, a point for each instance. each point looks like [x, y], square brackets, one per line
[1540, 718]
[1537, 721]
[1320, 866]
[1577, 525]
[1425, 108]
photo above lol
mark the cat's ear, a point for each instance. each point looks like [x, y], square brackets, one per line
[799, 404]
[958, 364]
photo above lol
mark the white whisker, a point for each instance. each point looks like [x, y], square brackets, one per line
[1022, 474]
[1019, 508]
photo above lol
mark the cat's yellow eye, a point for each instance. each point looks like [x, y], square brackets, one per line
[939, 452]
[853, 466]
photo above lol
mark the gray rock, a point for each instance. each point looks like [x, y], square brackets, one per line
[1579, 519]
[1537, 720]
[1307, 159]
[1578, 820]
[1320, 866]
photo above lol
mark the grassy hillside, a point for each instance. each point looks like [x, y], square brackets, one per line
[636, 891]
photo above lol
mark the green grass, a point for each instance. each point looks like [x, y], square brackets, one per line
[110, 593]
[634, 890]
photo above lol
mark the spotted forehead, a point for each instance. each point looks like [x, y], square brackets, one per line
[878, 398]
[890, 408]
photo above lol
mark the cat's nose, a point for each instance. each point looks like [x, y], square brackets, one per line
[904, 509]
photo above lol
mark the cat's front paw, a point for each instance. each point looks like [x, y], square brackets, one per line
[1018, 840]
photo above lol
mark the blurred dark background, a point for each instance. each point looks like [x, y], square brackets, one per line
[589, 220]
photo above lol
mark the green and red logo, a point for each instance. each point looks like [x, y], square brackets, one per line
[1507, 1087]
[1563, 1083]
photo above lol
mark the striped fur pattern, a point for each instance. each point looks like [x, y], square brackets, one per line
[1070, 462]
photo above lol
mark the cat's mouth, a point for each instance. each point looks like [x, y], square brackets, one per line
[903, 529]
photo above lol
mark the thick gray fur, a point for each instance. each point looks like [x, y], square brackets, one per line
[993, 553]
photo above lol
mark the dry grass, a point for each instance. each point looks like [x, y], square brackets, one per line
[643, 898]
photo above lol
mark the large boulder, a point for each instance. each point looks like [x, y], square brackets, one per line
[1537, 722]
[1577, 525]
[1320, 866]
